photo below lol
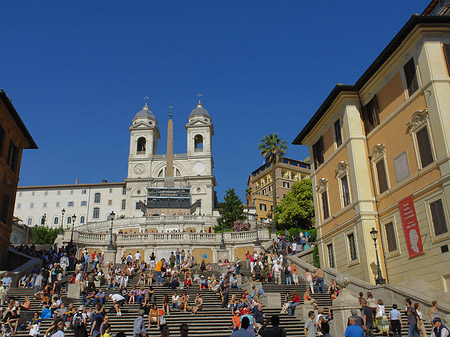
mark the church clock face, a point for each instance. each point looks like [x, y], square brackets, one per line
[198, 167]
[139, 169]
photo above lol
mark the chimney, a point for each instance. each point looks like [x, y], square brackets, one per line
[76, 181]
[104, 181]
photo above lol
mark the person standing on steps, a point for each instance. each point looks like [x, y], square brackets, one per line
[396, 321]
[367, 314]
[439, 330]
[139, 324]
[412, 319]
[274, 331]
[310, 327]
[158, 272]
[353, 330]
[319, 280]
[277, 272]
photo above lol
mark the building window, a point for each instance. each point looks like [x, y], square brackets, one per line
[71, 192]
[2, 140]
[32, 193]
[337, 133]
[109, 202]
[83, 203]
[264, 192]
[32, 205]
[198, 143]
[13, 156]
[438, 216]
[44, 205]
[82, 219]
[424, 146]
[19, 205]
[318, 152]
[138, 205]
[331, 256]
[57, 204]
[46, 193]
[83, 191]
[69, 220]
[390, 237]
[30, 222]
[411, 77]
[285, 184]
[262, 207]
[124, 190]
[55, 220]
[70, 204]
[270, 188]
[97, 198]
[352, 247]
[370, 115]
[325, 208]
[345, 191]
[96, 214]
[124, 204]
[5, 208]
[58, 192]
[381, 176]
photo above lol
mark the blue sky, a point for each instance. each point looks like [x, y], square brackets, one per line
[77, 73]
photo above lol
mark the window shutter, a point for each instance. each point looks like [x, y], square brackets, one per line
[390, 236]
[437, 213]
[446, 47]
[2, 140]
[316, 163]
[423, 141]
[411, 77]
[382, 179]
[326, 212]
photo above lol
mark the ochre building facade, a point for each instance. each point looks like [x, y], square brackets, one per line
[381, 159]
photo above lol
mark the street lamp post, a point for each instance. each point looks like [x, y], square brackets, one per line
[257, 243]
[111, 217]
[74, 217]
[222, 244]
[379, 279]
[62, 221]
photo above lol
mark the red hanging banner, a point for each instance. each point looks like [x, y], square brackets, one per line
[410, 226]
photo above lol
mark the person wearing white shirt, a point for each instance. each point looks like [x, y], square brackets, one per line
[277, 272]
[118, 300]
[6, 283]
[137, 256]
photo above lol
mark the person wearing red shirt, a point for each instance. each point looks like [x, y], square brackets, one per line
[295, 301]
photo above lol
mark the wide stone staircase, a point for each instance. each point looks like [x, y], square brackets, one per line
[212, 319]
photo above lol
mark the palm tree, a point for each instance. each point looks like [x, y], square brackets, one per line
[273, 149]
[248, 195]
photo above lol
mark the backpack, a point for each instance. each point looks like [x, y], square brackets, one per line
[77, 321]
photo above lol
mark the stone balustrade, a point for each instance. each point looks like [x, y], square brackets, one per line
[101, 239]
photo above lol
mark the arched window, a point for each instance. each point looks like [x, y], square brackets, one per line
[82, 219]
[69, 220]
[198, 143]
[55, 220]
[96, 213]
[97, 198]
[30, 221]
[141, 145]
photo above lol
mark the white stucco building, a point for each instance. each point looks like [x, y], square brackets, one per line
[192, 182]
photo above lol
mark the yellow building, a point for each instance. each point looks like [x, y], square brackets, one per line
[381, 154]
[260, 187]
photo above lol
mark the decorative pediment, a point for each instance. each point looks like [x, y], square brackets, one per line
[341, 169]
[322, 185]
[418, 119]
[377, 152]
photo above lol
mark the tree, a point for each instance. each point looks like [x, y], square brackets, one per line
[273, 149]
[45, 235]
[297, 208]
[231, 210]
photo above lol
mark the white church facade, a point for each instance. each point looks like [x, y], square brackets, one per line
[157, 185]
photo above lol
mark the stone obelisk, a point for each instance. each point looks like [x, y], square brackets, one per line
[169, 181]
